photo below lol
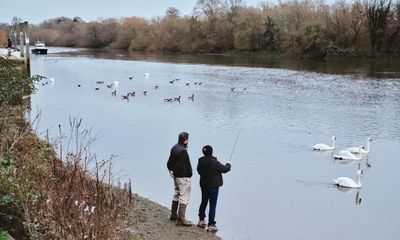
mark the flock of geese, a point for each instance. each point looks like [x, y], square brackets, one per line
[353, 154]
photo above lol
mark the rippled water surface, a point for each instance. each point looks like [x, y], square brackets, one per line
[278, 187]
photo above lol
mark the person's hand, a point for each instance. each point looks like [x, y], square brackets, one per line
[171, 173]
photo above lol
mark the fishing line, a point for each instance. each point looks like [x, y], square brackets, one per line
[234, 146]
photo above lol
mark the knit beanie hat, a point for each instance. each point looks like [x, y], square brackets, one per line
[207, 150]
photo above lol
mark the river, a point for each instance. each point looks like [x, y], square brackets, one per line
[279, 188]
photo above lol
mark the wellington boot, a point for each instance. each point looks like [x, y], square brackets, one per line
[181, 217]
[174, 211]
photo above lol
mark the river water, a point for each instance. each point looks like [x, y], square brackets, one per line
[278, 187]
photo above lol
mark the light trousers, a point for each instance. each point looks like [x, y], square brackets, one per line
[182, 190]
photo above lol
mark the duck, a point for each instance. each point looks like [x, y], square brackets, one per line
[346, 155]
[361, 150]
[324, 147]
[348, 182]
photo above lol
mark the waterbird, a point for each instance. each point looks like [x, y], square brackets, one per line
[324, 147]
[100, 82]
[126, 97]
[191, 97]
[97, 88]
[346, 155]
[131, 94]
[131, 77]
[145, 93]
[232, 89]
[79, 85]
[156, 87]
[172, 81]
[187, 84]
[168, 100]
[109, 86]
[361, 150]
[114, 93]
[348, 182]
[200, 83]
[178, 99]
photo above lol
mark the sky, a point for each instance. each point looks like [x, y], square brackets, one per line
[40, 10]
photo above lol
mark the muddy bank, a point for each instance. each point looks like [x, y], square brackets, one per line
[149, 220]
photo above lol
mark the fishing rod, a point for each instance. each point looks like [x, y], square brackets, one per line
[234, 146]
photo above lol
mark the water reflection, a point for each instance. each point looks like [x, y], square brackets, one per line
[357, 199]
[387, 67]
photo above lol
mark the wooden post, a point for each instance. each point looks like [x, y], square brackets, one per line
[28, 55]
[21, 43]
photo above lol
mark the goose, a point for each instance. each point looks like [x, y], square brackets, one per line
[114, 93]
[324, 147]
[346, 155]
[178, 99]
[348, 182]
[361, 150]
[191, 97]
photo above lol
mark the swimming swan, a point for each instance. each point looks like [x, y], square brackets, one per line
[348, 182]
[324, 147]
[346, 155]
[361, 150]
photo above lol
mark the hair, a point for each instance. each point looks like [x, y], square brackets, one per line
[207, 150]
[182, 137]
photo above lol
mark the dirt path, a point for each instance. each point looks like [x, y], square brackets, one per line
[149, 220]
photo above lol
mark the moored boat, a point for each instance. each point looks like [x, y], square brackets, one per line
[39, 48]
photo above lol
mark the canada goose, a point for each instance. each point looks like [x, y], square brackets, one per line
[97, 88]
[114, 93]
[187, 84]
[156, 87]
[100, 82]
[145, 93]
[200, 83]
[191, 97]
[131, 77]
[125, 97]
[172, 81]
[168, 100]
[232, 89]
[131, 94]
[109, 86]
[178, 99]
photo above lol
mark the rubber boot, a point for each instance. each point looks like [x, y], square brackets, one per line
[174, 211]
[181, 217]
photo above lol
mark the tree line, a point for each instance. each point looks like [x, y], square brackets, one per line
[310, 27]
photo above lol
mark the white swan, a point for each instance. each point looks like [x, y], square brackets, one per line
[324, 147]
[348, 182]
[361, 150]
[346, 155]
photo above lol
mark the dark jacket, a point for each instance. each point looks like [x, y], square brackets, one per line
[179, 162]
[210, 172]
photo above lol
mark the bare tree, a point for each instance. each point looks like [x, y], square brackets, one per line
[377, 16]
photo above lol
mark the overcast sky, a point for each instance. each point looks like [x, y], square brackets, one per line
[35, 11]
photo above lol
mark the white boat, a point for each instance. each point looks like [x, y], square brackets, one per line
[39, 48]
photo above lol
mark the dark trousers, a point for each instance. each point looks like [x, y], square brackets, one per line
[208, 194]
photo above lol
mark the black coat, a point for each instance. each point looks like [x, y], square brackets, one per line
[179, 162]
[210, 171]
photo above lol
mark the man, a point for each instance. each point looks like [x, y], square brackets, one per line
[180, 170]
[210, 171]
